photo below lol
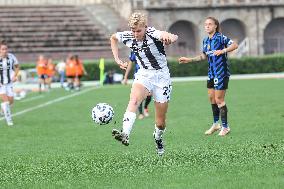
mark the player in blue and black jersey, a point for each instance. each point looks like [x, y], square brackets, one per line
[132, 59]
[215, 48]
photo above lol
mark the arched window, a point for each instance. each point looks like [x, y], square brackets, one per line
[186, 44]
[274, 36]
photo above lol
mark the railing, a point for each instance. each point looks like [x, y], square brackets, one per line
[243, 48]
[274, 45]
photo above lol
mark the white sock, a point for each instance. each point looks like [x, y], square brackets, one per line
[158, 133]
[7, 112]
[128, 121]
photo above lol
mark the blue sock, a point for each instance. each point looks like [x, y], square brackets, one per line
[216, 112]
[223, 111]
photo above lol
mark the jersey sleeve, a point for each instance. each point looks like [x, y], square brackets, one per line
[226, 41]
[124, 36]
[154, 33]
[15, 60]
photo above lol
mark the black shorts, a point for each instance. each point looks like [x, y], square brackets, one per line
[73, 77]
[43, 76]
[218, 84]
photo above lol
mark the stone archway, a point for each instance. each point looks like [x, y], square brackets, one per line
[234, 29]
[274, 36]
[186, 44]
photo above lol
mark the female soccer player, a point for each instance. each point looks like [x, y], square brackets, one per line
[215, 49]
[50, 71]
[70, 72]
[80, 71]
[153, 76]
[132, 59]
[9, 69]
[60, 68]
[41, 68]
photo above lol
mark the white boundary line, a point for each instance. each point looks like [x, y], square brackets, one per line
[32, 98]
[50, 102]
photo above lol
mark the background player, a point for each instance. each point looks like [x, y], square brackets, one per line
[41, 68]
[215, 49]
[79, 71]
[50, 71]
[9, 71]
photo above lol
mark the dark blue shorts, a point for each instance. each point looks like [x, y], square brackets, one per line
[43, 76]
[218, 84]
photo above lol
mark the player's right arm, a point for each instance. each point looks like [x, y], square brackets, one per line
[114, 49]
[128, 69]
[185, 60]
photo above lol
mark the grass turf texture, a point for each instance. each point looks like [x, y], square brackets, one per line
[59, 146]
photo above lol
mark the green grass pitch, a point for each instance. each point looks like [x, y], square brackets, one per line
[58, 146]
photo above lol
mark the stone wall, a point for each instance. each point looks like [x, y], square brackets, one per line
[48, 2]
[254, 20]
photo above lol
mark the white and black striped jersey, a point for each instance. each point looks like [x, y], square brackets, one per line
[7, 68]
[150, 53]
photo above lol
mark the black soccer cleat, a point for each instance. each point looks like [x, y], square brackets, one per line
[117, 134]
[159, 145]
[120, 136]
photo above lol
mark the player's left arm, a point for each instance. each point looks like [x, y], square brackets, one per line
[128, 69]
[168, 38]
[17, 70]
[230, 48]
[84, 70]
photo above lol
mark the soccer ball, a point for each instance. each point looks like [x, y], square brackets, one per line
[102, 113]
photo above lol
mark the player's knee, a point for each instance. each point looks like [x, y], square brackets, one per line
[219, 101]
[133, 101]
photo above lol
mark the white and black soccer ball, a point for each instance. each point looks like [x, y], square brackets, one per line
[102, 113]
